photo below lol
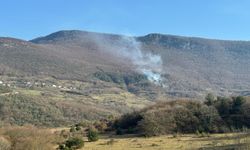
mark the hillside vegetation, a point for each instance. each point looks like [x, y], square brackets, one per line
[191, 67]
[113, 91]
[182, 124]
[216, 115]
[63, 102]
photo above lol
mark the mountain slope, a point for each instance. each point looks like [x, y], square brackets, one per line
[204, 63]
[78, 75]
[189, 66]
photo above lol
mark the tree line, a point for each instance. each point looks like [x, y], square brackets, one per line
[214, 115]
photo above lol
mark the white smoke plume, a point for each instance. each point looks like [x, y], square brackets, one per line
[147, 63]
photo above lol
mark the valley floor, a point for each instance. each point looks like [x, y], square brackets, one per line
[32, 138]
[184, 142]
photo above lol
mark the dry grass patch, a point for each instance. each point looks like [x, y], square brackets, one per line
[27, 138]
[182, 142]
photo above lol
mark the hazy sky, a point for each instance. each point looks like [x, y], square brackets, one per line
[223, 19]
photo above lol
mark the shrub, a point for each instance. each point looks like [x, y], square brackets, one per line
[186, 121]
[103, 76]
[101, 126]
[78, 128]
[92, 135]
[209, 119]
[210, 99]
[119, 131]
[154, 144]
[237, 104]
[157, 123]
[72, 129]
[197, 132]
[72, 144]
[131, 130]
[128, 121]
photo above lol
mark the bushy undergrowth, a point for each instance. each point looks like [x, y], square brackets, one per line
[4, 89]
[134, 83]
[92, 135]
[21, 109]
[72, 144]
[216, 115]
[121, 78]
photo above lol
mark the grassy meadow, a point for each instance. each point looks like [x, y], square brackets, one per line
[32, 138]
[172, 142]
